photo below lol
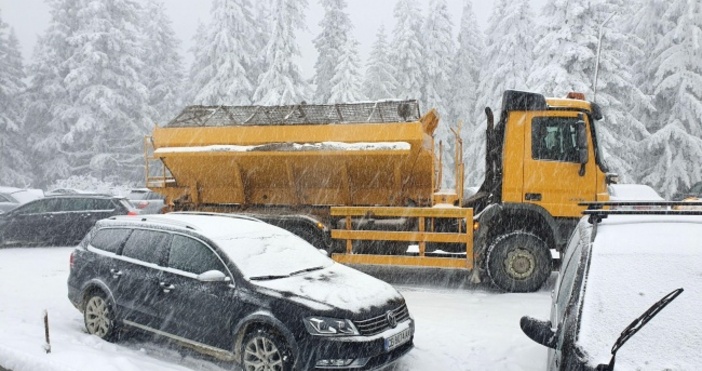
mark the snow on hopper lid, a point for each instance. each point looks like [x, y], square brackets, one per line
[364, 112]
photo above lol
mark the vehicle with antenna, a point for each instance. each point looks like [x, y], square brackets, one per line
[622, 258]
[361, 180]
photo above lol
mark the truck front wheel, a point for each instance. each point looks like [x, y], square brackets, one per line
[518, 262]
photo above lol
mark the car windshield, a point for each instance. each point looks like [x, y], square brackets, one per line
[636, 260]
[261, 251]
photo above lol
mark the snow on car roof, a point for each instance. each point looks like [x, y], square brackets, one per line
[636, 260]
[633, 192]
[259, 249]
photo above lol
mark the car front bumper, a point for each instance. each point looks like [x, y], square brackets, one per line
[360, 353]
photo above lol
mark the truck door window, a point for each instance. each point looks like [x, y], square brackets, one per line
[554, 139]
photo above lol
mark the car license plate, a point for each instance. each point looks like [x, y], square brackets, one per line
[398, 339]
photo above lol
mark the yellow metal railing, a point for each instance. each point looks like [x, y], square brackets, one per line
[425, 217]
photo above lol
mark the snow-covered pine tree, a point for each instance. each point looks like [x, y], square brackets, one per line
[380, 82]
[108, 112]
[467, 66]
[263, 26]
[507, 60]
[437, 32]
[346, 84]
[220, 70]
[673, 153]
[282, 82]
[331, 42]
[163, 67]
[407, 50]
[14, 166]
[621, 132]
[566, 59]
[47, 97]
[464, 85]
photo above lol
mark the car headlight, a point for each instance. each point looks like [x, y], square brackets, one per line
[330, 326]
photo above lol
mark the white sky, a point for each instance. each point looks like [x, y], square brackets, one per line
[29, 18]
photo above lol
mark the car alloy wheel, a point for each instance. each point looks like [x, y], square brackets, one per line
[264, 352]
[98, 317]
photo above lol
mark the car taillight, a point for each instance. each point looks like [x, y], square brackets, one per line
[142, 204]
[71, 260]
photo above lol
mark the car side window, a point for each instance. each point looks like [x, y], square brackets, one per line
[39, 206]
[4, 199]
[146, 245]
[103, 204]
[110, 239]
[192, 256]
[554, 138]
[73, 204]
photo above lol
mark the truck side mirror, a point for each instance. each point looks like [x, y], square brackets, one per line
[582, 145]
[582, 142]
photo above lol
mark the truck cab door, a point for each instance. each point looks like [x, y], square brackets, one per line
[557, 174]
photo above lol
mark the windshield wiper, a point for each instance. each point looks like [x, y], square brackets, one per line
[269, 277]
[306, 270]
[638, 323]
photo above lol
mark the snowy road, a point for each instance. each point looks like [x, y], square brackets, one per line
[459, 326]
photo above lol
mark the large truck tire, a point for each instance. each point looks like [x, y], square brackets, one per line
[518, 261]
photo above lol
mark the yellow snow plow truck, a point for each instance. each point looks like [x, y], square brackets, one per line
[360, 180]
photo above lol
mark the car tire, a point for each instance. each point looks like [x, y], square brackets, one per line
[518, 262]
[265, 350]
[99, 316]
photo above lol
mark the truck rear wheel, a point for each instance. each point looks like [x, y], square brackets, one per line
[518, 262]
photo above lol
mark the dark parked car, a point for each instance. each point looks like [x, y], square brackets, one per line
[612, 272]
[58, 220]
[237, 288]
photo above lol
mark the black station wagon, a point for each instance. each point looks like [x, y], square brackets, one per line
[236, 288]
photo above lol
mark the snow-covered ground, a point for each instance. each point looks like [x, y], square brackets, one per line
[460, 326]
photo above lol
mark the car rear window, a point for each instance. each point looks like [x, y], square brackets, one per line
[110, 239]
[137, 195]
[146, 246]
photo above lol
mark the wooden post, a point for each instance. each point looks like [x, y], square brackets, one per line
[47, 345]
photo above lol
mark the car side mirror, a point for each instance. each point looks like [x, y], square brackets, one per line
[213, 276]
[539, 331]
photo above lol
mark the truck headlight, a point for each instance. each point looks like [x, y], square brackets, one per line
[330, 326]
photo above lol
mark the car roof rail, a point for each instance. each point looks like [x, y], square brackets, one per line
[601, 210]
[155, 218]
[234, 216]
[228, 215]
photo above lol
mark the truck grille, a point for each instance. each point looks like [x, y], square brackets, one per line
[380, 323]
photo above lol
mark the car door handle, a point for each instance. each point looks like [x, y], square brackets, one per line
[115, 273]
[166, 287]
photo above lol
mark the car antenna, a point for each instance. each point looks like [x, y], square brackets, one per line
[635, 326]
